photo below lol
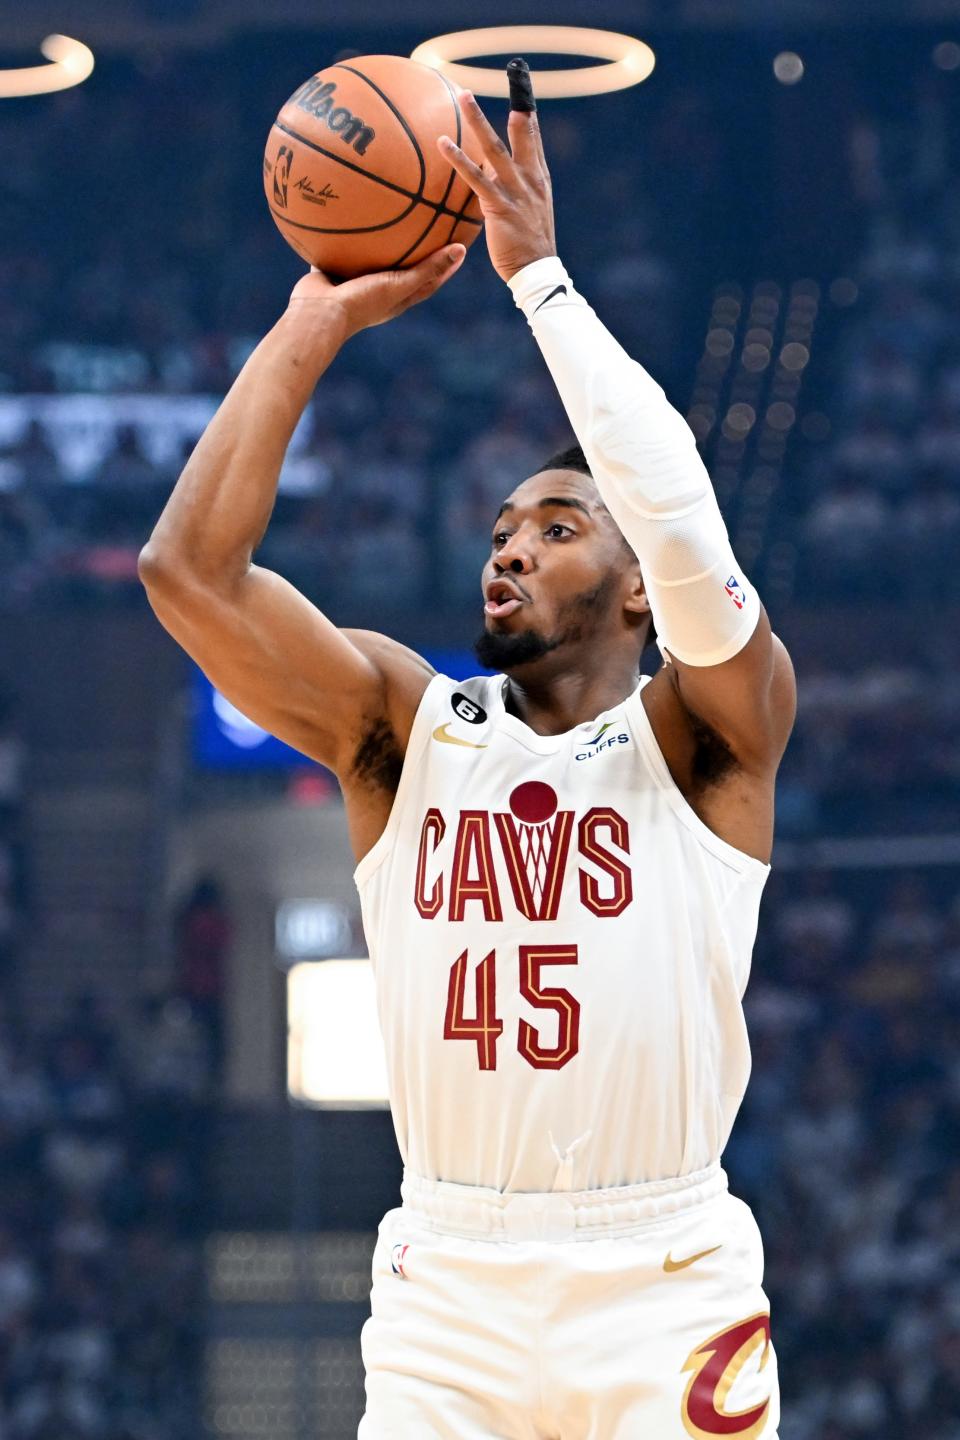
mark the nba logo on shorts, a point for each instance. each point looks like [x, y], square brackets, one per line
[735, 590]
[397, 1256]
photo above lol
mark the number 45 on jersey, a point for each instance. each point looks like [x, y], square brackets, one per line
[485, 1028]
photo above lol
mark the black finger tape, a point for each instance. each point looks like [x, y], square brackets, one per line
[521, 86]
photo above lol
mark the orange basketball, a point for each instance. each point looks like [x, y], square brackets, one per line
[352, 173]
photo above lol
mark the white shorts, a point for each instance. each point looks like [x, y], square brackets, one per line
[634, 1313]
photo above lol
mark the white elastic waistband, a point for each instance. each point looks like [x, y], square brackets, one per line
[476, 1213]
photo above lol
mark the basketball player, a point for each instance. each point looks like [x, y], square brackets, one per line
[560, 869]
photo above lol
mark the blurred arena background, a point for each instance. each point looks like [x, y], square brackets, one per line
[772, 225]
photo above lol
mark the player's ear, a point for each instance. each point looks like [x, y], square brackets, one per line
[635, 601]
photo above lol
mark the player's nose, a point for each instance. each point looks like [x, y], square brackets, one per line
[513, 556]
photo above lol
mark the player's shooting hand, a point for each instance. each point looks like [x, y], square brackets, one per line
[513, 183]
[373, 299]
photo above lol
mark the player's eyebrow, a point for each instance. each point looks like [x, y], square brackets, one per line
[566, 501]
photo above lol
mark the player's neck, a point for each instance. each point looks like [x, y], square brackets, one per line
[554, 704]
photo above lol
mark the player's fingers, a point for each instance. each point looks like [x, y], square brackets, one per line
[490, 143]
[523, 124]
[422, 279]
[525, 140]
[481, 183]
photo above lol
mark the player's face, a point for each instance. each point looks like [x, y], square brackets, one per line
[559, 573]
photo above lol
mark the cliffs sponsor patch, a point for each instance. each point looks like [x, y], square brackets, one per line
[603, 741]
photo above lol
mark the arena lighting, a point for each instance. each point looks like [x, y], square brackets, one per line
[631, 61]
[788, 67]
[946, 55]
[70, 64]
[335, 1053]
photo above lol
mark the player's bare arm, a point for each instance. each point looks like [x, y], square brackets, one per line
[333, 694]
[730, 689]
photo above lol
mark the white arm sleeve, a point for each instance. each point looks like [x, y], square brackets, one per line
[650, 477]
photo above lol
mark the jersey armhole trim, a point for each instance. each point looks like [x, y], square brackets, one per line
[419, 738]
[746, 865]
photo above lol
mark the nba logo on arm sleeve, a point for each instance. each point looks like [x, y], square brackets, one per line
[735, 590]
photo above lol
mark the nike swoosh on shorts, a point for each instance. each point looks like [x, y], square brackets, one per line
[670, 1264]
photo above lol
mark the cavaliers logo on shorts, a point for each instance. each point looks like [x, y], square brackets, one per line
[716, 1363]
[397, 1257]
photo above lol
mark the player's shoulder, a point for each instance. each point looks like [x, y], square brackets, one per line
[387, 653]
[404, 677]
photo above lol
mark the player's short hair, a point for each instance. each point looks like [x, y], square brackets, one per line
[573, 458]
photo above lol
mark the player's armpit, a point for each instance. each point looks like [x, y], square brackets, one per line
[285, 665]
[750, 700]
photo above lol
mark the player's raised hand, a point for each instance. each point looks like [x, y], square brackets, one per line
[513, 183]
[373, 299]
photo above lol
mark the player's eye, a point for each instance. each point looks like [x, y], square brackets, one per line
[500, 538]
[557, 531]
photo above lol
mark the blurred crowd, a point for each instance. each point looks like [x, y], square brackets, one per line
[13, 883]
[848, 1149]
[876, 746]
[877, 509]
[101, 1171]
[104, 1152]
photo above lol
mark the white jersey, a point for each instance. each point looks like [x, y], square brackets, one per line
[561, 947]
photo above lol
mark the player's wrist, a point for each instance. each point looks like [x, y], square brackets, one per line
[534, 282]
[317, 323]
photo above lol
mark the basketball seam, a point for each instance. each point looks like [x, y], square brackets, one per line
[284, 219]
[461, 215]
[453, 175]
[387, 101]
[349, 165]
[377, 179]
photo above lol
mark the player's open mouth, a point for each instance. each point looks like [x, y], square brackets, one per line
[500, 608]
[502, 599]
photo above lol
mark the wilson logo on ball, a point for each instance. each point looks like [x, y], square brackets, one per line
[317, 99]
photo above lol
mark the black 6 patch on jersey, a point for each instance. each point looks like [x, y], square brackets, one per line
[468, 709]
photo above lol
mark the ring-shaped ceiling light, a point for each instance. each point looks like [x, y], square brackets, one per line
[70, 63]
[631, 61]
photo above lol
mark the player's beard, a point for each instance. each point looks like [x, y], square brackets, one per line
[499, 650]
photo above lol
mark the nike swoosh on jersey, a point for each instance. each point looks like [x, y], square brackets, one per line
[670, 1265]
[441, 734]
[557, 290]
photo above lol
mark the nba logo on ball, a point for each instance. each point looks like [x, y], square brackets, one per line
[397, 1257]
[281, 176]
[735, 590]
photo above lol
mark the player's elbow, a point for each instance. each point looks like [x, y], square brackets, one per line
[156, 568]
[169, 579]
[163, 568]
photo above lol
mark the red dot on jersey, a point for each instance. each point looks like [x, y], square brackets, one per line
[533, 802]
